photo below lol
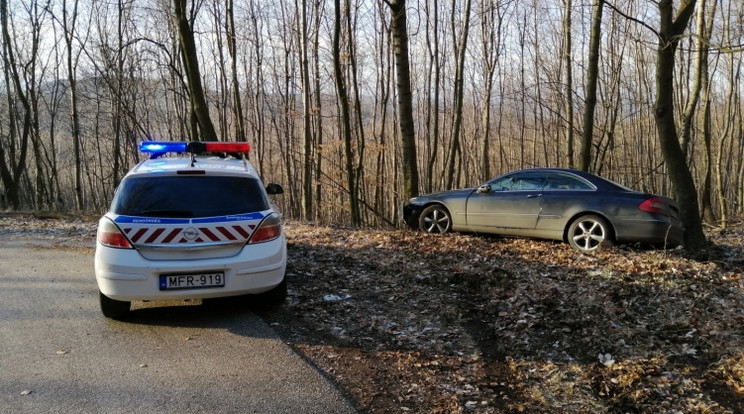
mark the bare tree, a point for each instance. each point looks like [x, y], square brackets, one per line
[672, 27]
[434, 70]
[405, 100]
[359, 145]
[307, 193]
[33, 74]
[69, 22]
[253, 63]
[111, 69]
[729, 149]
[461, 46]
[491, 38]
[14, 147]
[343, 102]
[52, 102]
[592, 74]
[232, 47]
[702, 87]
[199, 107]
[568, 94]
[318, 118]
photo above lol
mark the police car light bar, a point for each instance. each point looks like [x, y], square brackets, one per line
[158, 148]
[161, 147]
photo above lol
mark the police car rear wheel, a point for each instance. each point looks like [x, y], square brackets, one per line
[113, 308]
[273, 296]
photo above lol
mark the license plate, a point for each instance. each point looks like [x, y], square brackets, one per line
[195, 281]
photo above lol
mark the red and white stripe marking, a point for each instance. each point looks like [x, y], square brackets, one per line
[175, 235]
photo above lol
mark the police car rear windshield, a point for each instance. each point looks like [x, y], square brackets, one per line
[189, 196]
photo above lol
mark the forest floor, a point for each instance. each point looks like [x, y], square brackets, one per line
[403, 321]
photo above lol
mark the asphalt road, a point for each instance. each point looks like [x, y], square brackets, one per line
[58, 354]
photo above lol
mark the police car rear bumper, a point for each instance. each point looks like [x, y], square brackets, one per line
[124, 274]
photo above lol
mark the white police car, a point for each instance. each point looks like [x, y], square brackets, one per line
[195, 226]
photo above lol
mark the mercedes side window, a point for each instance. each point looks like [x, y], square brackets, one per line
[566, 182]
[526, 181]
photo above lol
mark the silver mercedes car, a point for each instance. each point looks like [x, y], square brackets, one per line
[582, 209]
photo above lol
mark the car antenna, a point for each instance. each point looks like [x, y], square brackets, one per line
[193, 158]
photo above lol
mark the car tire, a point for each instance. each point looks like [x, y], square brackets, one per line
[111, 308]
[274, 296]
[588, 233]
[435, 219]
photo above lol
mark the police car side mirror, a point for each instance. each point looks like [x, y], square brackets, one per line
[273, 188]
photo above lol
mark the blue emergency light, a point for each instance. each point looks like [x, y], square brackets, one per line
[161, 147]
[158, 148]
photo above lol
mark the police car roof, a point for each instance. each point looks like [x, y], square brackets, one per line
[209, 164]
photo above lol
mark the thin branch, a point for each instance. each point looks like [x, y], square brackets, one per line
[633, 19]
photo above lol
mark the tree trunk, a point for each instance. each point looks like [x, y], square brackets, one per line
[706, 195]
[117, 115]
[680, 175]
[13, 159]
[307, 167]
[193, 76]
[568, 98]
[405, 99]
[592, 74]
[232, 48]
[704, 32]
[459, 96]
[343, 101]
[491, 37]
[68, 23]
[360, 147]
[733, 111]
[432, 121]
[318, 139]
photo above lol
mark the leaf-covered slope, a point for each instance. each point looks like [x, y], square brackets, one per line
[406, 321]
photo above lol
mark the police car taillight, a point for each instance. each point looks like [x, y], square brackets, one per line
[270, 229]
[109, 235]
